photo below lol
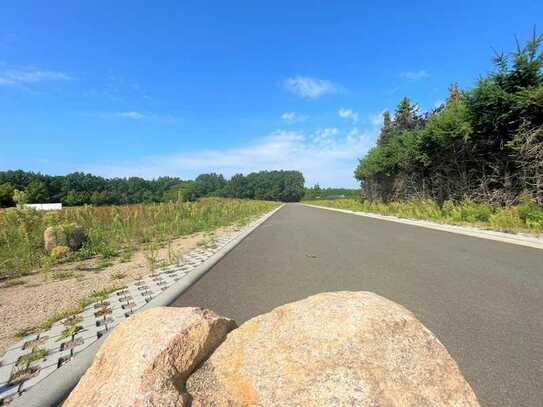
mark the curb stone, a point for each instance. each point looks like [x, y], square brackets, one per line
[66, 361]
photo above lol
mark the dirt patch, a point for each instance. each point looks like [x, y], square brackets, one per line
[36, 300]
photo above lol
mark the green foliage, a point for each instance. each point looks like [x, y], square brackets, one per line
[60, 252]
[113, 230]
[63, 275]
[526, 217]
[484, 144]
[79, 189]
[70, 332]
[19, 197]
[285, 186]
[34, 355]
[36, 192]
[329, 193]
[6, 195]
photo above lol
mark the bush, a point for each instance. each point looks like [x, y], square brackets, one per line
[76, 238]
[60, 252]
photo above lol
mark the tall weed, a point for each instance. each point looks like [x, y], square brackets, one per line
[114, 229]
[525, 217]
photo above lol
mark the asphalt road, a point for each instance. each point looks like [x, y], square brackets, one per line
[483, 299]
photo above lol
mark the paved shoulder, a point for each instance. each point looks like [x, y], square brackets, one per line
[481, 298]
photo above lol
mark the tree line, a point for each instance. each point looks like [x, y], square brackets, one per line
[484, 144]
[316, 192]
[79, 188]
[285, 186]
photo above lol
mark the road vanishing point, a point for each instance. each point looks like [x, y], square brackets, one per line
[483, 299]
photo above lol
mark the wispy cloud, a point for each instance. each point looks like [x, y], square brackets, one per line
[327, 156]
[310, 88]
[348, 114]
[140, 116]
[376, 119]
[29, 76]
[291, 117]
[415, 75]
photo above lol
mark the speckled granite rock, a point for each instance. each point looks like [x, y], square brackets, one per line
[147, 358]
[331, 349]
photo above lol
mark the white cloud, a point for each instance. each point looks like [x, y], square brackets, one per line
[139, 116]
[310, 88]
[327, 157]
[291, 117]
[348, 114]
[377, 119]
[129, 115]
[325, 136]
[29, 76]
[415, 76]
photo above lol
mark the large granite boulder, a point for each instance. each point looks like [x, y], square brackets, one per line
[331, 349]
[54, 236]
[146, 360]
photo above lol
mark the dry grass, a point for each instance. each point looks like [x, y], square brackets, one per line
[113, 230]
[36, 304]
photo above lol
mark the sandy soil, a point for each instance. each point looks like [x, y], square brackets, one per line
[38, 299]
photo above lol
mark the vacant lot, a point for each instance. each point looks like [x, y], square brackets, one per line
[124, 243]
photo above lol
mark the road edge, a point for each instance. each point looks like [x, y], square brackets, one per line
[54, 389]
[462, 230]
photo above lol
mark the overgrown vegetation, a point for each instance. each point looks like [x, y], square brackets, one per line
[316, 192]
[113, 230]
[20, 187]
[483, 145]
[524, 217]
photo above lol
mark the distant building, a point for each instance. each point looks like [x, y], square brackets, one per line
[43, 207]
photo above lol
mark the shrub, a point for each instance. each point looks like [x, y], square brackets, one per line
[76, 238]
[60, 252]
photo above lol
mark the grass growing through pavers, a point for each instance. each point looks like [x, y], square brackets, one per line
[34, 355]
[96, 297]
[526, 217]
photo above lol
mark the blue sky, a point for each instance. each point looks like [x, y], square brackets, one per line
[180, 88]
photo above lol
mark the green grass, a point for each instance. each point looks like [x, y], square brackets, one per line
[525, 217]
[63, 275]
[114, 230]
[36, 354]
[117, 275]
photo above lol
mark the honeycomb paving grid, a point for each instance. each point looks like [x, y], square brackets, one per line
[94, 321]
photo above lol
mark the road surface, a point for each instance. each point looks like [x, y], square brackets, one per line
[483, 299]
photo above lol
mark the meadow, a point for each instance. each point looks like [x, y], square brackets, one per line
[526, 217]
[113, 231]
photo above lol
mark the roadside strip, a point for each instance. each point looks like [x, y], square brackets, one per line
[521, 240]
[54, 389]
